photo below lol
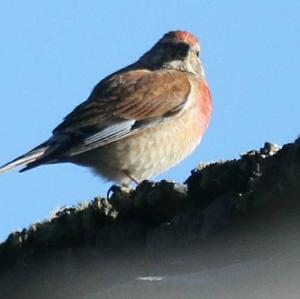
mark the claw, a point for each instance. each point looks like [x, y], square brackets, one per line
[112, 189]
[116, 188]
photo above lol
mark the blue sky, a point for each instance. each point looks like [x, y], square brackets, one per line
[53, 52]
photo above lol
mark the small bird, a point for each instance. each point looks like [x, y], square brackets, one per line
[138, 121]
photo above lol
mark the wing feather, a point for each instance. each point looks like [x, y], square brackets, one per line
[123, 105]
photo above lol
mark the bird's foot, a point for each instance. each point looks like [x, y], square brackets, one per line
[117, 189]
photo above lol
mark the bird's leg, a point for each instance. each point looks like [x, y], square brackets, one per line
[134, 180]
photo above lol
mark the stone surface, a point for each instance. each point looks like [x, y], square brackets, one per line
[231, 231]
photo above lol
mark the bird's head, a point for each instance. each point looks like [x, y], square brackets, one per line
[178, 50]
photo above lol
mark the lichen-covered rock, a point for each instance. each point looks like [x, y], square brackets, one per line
[158, 217]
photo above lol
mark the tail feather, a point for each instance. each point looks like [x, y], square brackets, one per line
[25, 159]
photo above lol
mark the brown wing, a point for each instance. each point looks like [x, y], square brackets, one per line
[119, 106]
[134, 95]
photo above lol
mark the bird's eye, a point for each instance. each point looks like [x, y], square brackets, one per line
[197, 53]
[182, 49]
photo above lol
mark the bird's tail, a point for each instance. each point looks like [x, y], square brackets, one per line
[32, 156]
